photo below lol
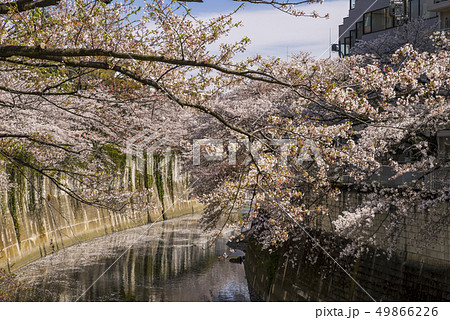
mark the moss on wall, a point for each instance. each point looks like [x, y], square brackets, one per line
[21, 183]
[148, 179]
[270, 264]
[12, 204]
[4, 203]
[26, 213]
[118, 157]
[170, 178]
[139, 181]
[31, 193]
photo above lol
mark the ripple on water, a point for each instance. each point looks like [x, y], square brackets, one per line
[171, 261]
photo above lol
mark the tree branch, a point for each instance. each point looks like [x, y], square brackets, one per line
[39, 141]
[37, 52]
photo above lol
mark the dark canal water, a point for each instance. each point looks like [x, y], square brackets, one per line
[171, 261]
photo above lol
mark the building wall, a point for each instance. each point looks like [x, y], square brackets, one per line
[350, 30]
[443, 8]
[37, 219]
[444, 18]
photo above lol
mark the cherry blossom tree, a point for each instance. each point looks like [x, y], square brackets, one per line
[8, 286]
[347, 123]
[350, 126]
[80, 78]
[100, 70]
[418, 33]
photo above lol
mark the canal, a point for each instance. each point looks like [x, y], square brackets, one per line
[169, 261]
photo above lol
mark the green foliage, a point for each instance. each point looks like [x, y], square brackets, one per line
[21, 182]
[118, 157]
[140, 181]
[16, 149]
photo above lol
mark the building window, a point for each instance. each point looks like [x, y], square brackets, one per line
[352, 4]
[359, 30]
[367, 22]
[378, 20]
[381, 19]
[375, 21]
[346, 46]
[390, 21]
[341, 49]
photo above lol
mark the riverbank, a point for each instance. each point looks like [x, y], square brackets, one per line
[88, 224]
[298, 270]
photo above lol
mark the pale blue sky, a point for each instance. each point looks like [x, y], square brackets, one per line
[277, 34]
[209, 6]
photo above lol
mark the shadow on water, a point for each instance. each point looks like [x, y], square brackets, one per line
[169, 262]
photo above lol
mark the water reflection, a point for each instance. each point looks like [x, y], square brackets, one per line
[169, 262]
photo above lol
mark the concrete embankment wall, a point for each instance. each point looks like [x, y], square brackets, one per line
[36, 218]
[413, 273]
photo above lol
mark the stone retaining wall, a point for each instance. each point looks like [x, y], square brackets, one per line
[37, 219]
[414, 272]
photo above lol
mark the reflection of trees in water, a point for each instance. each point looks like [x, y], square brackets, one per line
[167, 263]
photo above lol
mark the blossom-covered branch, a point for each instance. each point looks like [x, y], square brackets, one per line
[25, 5]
